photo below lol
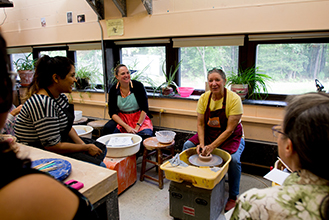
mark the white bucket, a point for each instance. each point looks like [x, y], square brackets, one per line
[77, 115]
[121, 151]
[83, 130]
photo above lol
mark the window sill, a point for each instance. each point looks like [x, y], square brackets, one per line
[158, 95]
[270, 103]
[89, 90]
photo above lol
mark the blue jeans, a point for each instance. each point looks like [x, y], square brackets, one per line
[234, 168]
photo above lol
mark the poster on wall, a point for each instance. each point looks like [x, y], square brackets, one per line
[43, 22]
[114, 27]
[69, 17]
[81, 18]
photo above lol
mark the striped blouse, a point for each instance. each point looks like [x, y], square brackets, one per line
[41, 120]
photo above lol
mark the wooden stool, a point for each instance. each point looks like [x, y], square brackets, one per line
[98, 125]
[153, 145]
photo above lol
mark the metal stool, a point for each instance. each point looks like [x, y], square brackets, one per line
[98, 126]
[153, 145]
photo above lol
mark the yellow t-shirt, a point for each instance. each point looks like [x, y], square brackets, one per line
[233, 104]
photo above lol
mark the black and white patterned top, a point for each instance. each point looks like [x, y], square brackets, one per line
[41, 120]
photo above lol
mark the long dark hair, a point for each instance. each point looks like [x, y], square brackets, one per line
[6, 87]
[9, 163]
[46, 67]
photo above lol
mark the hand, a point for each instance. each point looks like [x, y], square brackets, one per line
[205, 150]
[93, 150]
[131, 130]
[15, 111]
[199, 148]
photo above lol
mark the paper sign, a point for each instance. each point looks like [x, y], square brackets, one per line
[277, 176]
[114, 27]
[120, 141]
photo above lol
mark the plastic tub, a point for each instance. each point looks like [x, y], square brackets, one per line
[121, 151]
[202, 177]
[165, 137]
[83, 130]
[185, 91]
[77, 115]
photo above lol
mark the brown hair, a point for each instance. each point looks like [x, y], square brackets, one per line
[306, 123]
[116, 69]
[46, 67]
[6, 87]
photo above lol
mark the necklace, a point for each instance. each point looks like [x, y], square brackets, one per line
[123, 95]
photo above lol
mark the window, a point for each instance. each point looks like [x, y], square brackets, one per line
[196, 61]
[15, 56]
[92, 60]
[294, 67]
[200, 54]
[145, 63]
[53, 53]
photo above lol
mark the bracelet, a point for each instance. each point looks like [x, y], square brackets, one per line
[139, 124]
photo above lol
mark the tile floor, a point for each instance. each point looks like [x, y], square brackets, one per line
[145, 201]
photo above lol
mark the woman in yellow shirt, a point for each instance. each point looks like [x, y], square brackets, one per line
[218, 124]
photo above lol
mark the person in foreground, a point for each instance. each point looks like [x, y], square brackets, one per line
[219, 114]
[26, 193]
[303, 145]
[11, 120]
[128, 106]
[46, 118]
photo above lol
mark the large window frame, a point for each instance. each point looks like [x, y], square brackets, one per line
[36, 50]
[113, 51]
[247, 53]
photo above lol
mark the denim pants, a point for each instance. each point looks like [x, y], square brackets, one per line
[234, 169]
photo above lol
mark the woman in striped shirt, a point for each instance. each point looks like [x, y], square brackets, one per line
[46, 118]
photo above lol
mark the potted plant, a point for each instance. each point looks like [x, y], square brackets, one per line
[25, 69]
[139, 76]
[85, 77]
[169, 87]
[249, 81]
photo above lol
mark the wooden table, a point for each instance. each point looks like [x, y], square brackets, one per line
[100, 184]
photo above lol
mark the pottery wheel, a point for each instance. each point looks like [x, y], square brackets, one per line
[215, 160]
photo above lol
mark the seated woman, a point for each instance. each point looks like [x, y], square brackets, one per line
[46, 118]
[26, 193]
[219, 114]
[303, 145]
[128, 106]
[11, 120]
